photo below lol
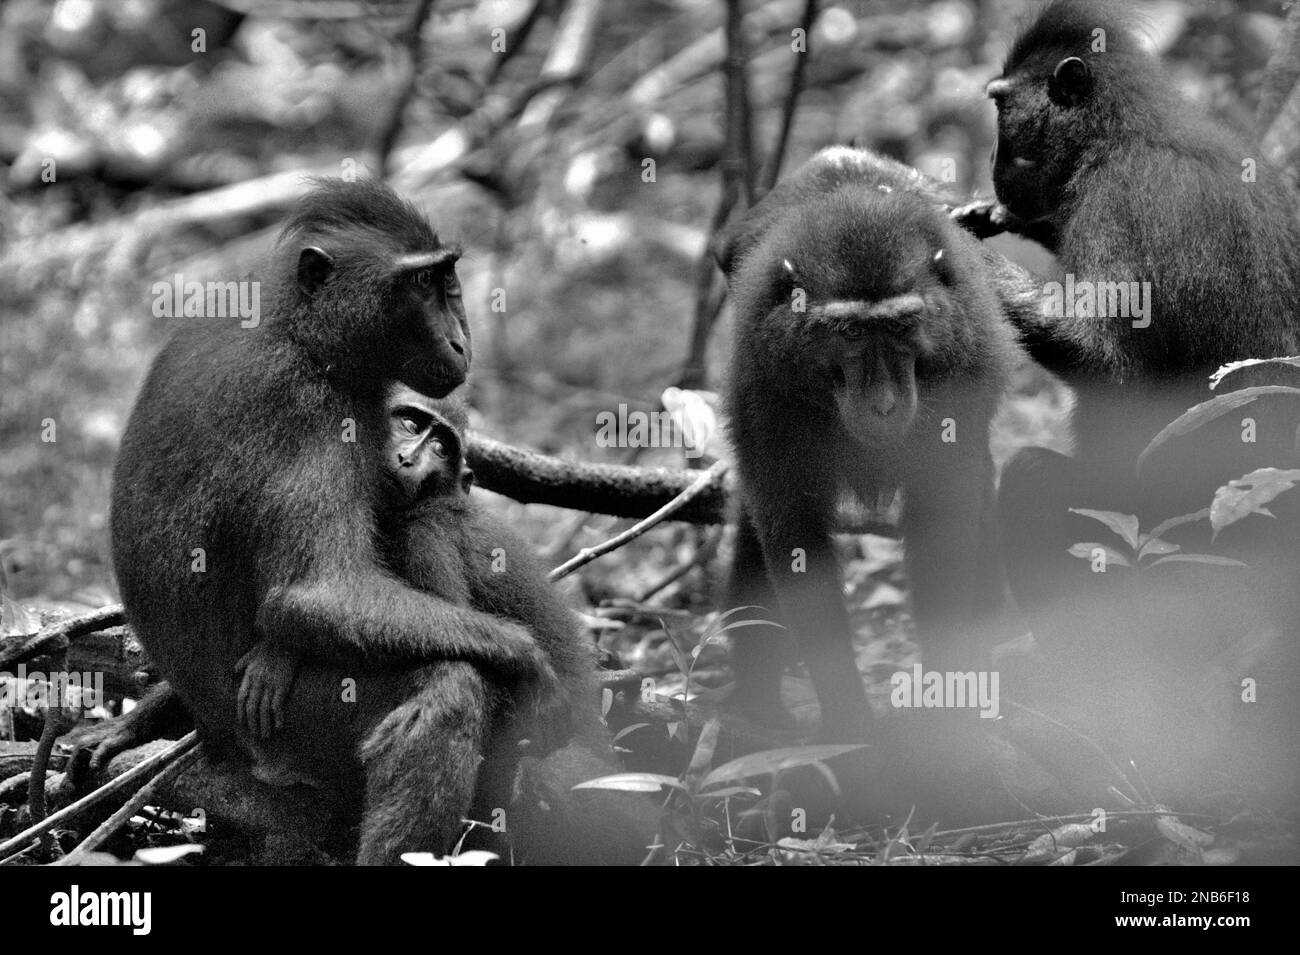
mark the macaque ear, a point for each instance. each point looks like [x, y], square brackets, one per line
[314, 267]
[1071, 82]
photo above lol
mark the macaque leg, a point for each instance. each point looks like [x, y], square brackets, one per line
[421, 765]
[760, 652]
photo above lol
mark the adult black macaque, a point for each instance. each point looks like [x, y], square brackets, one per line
[1142, 196]
[247, 487]
[869, 355]
[435, 537]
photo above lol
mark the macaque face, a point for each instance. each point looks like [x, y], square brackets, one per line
[423, 456]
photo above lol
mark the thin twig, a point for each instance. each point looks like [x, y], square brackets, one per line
[1054, 820]
[413, 61]
[702, 554]
[710, 295]
[587, 555]
[774, 161]
[125, 781]
[737, 183]
[129, 809]
[740, 134]
[41, 760]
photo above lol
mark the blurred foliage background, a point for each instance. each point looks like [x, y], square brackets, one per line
[542, 180]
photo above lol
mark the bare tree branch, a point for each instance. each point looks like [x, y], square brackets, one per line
[737, 184]
[797, 71]
[180, 760]
[619, 490]
[699, 486]
[412, 63]
[124, 782]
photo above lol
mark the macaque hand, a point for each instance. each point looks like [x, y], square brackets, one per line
[266, 677]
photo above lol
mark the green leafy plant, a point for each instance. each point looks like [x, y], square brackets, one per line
[693, 796]
[1239, 498]
[1143, 550]
[1251, 493]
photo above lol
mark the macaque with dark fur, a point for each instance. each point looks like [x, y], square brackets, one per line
[870, 354]
[436, 537]
[244, 510]
[1183, 245]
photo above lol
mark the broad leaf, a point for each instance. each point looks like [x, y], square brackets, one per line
[772, 761]
[1248, 494]
[166, 855]
[1213, 559]
[633, 783]
[631, 728]
[474, 857]
[1086, 550]
[1157, 547]
[1164, 527]
[1207, 411]
[1225, 370]
[1124, 525]
[730, 791]
[702, 759]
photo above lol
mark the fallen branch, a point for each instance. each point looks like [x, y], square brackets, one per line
[182, 759]
[713, 476]
[618, 490]
[56, 637]
[17, 758]
[121, 783]
[622, 490]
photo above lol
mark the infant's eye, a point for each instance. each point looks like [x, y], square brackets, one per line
[452, 285]
[853, 332]
[438, 447]
[411, 420]
[424, 278]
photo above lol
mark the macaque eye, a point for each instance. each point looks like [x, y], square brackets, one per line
[412, 420]
[442, 444]
[423, 278]
[853, 333]
[451, 284]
